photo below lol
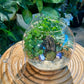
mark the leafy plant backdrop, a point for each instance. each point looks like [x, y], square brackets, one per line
[11, 32]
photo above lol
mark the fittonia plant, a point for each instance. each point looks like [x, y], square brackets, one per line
[46, 40]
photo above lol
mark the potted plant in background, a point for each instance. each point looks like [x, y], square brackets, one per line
[76, 8]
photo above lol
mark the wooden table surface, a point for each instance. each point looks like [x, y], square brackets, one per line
[18, 71]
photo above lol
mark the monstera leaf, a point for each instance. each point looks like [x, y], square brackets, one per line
[53, 1]
[8, 14]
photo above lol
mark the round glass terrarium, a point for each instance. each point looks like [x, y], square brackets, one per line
[48, 44]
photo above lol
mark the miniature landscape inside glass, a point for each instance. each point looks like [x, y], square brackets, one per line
[48, 44]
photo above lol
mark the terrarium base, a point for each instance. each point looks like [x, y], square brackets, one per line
[10, 72]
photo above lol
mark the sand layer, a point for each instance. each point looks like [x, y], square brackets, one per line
[50, 65]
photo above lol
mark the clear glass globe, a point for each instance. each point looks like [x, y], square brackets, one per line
[48, 44]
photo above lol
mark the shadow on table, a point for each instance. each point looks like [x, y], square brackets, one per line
[31, 75]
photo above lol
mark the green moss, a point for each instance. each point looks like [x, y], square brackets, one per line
[50, 56]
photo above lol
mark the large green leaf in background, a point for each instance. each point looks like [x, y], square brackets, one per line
[53, 1]
[39, 4]
[9, 3]
[47, 11]
[9, 33]
[27, 16]
[23, 4]
[8, 13]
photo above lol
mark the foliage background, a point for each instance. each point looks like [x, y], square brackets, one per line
[11, 32]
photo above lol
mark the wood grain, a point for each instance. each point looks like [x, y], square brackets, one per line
[18, 71]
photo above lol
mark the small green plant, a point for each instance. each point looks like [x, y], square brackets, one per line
[36, 36]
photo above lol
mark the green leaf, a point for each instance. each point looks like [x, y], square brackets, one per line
[29, 36]
[23, 4]
[13, 10]
[4, 14]
[47, 11]
[2, 25]
[30, 2]
[34, 1]
[8, 14]
[39, 4]
[53, 1]
[9, 33]
[27, 16]
[40, 52]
